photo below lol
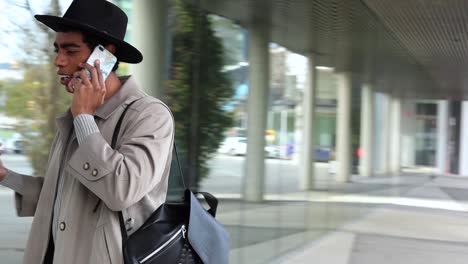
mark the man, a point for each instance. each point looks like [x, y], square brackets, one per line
[71, 224]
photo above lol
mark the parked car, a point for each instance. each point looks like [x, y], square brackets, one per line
[234, 146]
[2, 146]
[14, 145]
[323, 154]
[237, 146]
[272, 152]
[18, 146]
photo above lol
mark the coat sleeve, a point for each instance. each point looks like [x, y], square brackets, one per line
[27, 190]
[121, 177]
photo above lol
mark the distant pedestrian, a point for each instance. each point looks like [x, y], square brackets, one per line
[289, 150]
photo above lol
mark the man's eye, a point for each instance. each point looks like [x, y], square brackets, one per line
[71, 52]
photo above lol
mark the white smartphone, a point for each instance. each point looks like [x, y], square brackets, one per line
[106, 58]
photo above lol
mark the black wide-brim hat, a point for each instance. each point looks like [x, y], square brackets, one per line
[99, 18]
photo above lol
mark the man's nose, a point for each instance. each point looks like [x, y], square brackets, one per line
[60, 60]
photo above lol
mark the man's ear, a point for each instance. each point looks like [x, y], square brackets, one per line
[112, 48]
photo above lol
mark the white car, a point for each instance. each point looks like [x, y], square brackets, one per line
[272, 152]
[235, 146]
[2, 146]
[14, 145]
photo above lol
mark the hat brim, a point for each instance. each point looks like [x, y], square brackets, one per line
[125, 52]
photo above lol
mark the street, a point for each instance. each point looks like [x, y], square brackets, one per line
[17, 163]
[281, 176]
[13, 229]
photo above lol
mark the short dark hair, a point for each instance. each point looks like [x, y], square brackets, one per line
[90, 40]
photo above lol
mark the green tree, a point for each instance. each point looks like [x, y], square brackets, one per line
[197, 89]
[39, 96]
[34, 99]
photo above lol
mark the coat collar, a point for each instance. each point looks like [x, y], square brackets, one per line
[126, 94]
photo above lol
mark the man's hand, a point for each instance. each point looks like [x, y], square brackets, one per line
[88, 94]
[3, 171]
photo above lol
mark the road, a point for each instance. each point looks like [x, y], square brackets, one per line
[17, 163]
[281, 176]
[14, 230]
[226, 173]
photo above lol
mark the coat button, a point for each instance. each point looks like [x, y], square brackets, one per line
[94, 172]
[86, 166]
[62, 226]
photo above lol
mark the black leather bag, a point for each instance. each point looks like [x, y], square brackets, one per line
[161, 239]
[165, 236]
[182, 232]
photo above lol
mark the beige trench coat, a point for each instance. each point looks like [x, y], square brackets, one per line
[133, 176]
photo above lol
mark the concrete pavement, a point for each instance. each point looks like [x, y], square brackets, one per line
[415, 219]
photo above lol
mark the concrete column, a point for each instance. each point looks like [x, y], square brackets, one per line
[298, 135]
[442, 136]
[395, 135]
[308, 158]
[381, 135]
[463, 160]
[150, 36]
[270, 120]
[367, 133]
[408, 128]
[283, 128]
[343, 128]
[259, 75]
[388, 135]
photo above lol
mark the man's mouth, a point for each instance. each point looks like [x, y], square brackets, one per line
[65, 79]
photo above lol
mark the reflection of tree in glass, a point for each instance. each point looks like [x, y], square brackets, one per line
[197, 89]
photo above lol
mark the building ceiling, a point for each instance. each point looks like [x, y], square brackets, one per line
[415, 49]
[435, 33]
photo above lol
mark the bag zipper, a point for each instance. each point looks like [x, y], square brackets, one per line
[182, 230]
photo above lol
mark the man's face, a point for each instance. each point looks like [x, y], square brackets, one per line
[71, 51]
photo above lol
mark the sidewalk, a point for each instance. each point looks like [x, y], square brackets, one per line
[406, 219]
